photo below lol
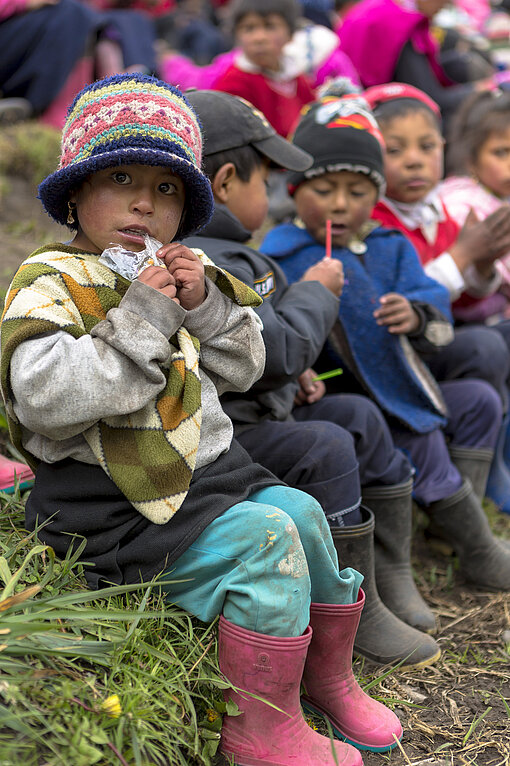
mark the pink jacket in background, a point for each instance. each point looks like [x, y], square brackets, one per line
[373, 34]
[11, 7]
[460, 194]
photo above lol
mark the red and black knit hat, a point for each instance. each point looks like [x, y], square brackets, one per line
[125, 120]
[340, 134]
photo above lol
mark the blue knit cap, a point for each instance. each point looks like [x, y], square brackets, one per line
[124, 120]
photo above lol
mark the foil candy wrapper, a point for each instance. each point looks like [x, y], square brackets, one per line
[130, 264]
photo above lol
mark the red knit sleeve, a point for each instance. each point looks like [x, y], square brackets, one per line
[236, 82]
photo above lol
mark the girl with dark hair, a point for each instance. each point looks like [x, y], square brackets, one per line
[478, 160]
[461, 259]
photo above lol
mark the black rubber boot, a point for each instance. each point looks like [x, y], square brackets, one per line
[473, 463]
[382, 637]
[460, 519]
[392, 508]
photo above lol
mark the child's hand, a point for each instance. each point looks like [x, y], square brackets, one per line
[329, 272]
[188, 272]
[311, 390]
[161, 280]
[397, 314]
[482, 242]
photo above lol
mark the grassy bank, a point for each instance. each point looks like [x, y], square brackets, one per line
[110, 677]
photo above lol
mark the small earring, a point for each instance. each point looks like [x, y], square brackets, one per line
[70, 215]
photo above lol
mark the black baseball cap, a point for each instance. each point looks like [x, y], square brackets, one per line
[229, 122]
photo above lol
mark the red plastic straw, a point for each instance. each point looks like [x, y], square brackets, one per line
[328, 238]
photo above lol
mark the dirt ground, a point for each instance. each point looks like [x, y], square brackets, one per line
[454, 713]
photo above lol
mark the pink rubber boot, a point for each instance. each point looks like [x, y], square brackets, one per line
[10, 470]
[331, 688]
[271, 667]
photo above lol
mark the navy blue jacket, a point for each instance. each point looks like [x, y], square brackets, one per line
[386, 365]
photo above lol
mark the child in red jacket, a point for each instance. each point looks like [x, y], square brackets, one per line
[260, 73]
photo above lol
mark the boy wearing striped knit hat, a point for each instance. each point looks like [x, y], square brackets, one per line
[115, 349]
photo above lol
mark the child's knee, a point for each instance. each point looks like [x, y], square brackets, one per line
[489, 353]
[486, 399]
[280, 576]
[302, 508]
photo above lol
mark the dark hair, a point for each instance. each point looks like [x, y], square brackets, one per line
[400, 107]
[479, 115]
[288, 9]
[244, 158]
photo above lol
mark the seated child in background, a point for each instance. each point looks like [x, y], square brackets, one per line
[462, 260]
[261, 29]
[410, 124]
[112, 390]
[323, 445]
[478, 166]
[313, 51]
[389, 307]
[410, 53]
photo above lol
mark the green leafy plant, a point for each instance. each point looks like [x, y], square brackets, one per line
[111, 676]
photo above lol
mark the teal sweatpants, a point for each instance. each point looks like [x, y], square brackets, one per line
[261, 563]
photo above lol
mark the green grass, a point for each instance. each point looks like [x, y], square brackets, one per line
[29, 151]
[64, 650]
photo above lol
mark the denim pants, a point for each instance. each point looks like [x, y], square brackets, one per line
[261, 564]
[474, 420]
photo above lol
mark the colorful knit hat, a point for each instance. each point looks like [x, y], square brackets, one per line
[340, 134]
[125, 120]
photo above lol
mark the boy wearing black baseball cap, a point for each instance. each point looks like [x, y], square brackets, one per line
[325, 445]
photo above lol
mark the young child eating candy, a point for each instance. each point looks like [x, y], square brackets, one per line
[112, 391]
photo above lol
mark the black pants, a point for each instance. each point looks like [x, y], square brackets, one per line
[329, 450]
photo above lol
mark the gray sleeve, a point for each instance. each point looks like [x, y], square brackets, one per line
[62, 385]
[231, 347]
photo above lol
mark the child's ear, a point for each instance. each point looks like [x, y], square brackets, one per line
[222, 184]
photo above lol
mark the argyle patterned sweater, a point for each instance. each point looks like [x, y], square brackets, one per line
[149, 454]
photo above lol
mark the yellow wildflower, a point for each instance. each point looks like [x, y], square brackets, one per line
[212, 715]
[111, 706]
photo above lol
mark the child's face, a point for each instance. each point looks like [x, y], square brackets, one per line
[262, 39]
[492, 166]
[247, 200]
[121, 204]
[346, 198]
[413, 162]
